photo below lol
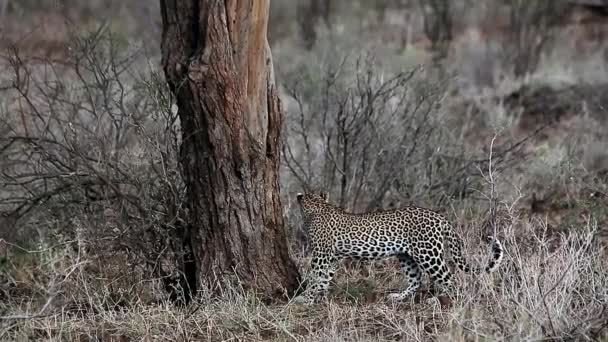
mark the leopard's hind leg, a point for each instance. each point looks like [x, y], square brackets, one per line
[414, 275]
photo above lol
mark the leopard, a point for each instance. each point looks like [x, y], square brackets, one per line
[416, 236]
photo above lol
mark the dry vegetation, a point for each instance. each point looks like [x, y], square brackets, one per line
[493, 113]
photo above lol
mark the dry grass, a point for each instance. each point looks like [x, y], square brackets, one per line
[552, 285]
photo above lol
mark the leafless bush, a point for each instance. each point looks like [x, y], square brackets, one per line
[354, 135]
[89, 154]
[376, 139]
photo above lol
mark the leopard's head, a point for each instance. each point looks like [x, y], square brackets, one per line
[312, 202]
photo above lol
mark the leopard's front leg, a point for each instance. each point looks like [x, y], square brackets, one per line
[323, 268]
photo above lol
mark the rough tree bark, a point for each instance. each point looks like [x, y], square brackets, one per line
[217, 60]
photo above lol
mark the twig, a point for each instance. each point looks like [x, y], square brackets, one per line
[26, 317]
[544, 298]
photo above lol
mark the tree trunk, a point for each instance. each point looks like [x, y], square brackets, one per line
[217, 61]
[310, 13]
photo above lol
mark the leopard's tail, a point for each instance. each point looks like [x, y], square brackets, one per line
[455, 245]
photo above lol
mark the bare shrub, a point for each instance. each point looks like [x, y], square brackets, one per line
[353, 131]
[89, 154]
[375, 138]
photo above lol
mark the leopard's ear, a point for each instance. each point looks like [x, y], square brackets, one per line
[325, 196]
